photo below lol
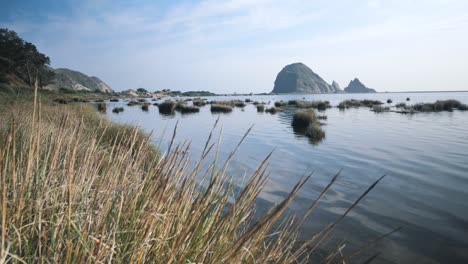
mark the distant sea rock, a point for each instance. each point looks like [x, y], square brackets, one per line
[336, 87]
[75, 80]
[298, 78]
[356, 86]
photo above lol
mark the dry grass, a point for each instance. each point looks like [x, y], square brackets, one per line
[76, 188]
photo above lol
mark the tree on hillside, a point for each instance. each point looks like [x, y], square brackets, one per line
[142, 90]
[21, 59]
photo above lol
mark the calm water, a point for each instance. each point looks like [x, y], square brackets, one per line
[425, 158]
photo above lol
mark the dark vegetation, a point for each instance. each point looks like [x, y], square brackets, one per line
[221, 108]
[305, 121]
[380, 109]
[102, 107]
[320, 105]
[199, 102]
[280, 103]
[261, 108]
[145, 107]
[117, 110]
[438, 106]
[358, 103]
[20, 61]
[183, 108]
[272, 110]
[167, 107]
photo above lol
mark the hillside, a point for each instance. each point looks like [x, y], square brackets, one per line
[75, 80]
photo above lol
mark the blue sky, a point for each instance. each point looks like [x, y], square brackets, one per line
[240, 45]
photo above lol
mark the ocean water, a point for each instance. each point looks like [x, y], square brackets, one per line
[424, 157]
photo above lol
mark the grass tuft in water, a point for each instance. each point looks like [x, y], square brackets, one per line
[167, 107]
[221, 108]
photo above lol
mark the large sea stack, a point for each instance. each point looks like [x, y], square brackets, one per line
[298, 78]
[356, 86]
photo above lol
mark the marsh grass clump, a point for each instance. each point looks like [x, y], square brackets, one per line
[322, 105]
[185, 109]
[199, 102]
[438, 106]
[114, 100]
[303, 118]
[260, 108]
[272, 110]
[239, 104]
[463, 107]
[380, 109]
[117, 110]
[353, 103]
[248, 100]
[306, 122]
[401, 105]
[315, 133]
[132, 103]
[102, 107]
[221, 108]
[280, 104]
[145, 107]
[167, 107]
[300, 103]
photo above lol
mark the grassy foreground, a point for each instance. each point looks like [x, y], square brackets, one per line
[76, 188]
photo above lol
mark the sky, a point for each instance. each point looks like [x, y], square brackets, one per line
[228, 46]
